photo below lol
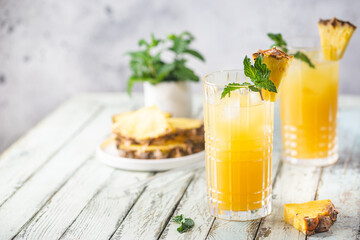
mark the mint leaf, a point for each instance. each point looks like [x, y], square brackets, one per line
[301, 56]
[164, 70]
[185, 223]
[262, 71]
[266, 84]
[258, 73]
[249, 70]
[195, 54]
[262, 76]
[253, 88]
[182, 72]
[146, 63]
[179, 218]
[134, 79]
[279, 41]
[234, 86]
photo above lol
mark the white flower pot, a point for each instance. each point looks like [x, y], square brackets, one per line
[173, 97]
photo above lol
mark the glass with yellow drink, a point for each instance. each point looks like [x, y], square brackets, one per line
[308, 102]
[239, 142]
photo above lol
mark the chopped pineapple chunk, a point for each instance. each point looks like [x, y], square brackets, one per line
[335, 36]
[311, 217]
[278, 63]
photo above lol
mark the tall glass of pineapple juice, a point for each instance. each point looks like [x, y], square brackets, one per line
[308, 102]
[238, 144]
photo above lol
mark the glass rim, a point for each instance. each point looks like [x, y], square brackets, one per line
[307, 43]
[221, 71]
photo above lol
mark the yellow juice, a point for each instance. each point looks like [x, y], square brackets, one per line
[238, 138]
[308, 112]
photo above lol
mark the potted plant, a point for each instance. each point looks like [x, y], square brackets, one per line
[165, 82]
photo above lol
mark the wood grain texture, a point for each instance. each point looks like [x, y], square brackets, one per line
[52, 176]
[194, 206]
[63, 208]
[153, 209]
[341, 182]
[295, 184]
[69, 195]
[105, 212]
[27, 155]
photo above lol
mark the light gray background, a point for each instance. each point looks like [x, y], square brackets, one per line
[50, 50]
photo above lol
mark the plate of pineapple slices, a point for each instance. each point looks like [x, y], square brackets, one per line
[151, 140]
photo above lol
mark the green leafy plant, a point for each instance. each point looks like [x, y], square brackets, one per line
[185, 223]
[259, 75]
[147, 66]
[280, 43]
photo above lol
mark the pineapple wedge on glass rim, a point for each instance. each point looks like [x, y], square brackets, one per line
[335, 36]
[278, 63]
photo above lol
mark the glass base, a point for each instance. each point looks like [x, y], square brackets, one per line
[241, 215]
[314, 162]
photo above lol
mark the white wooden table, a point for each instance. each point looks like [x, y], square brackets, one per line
[53, 187]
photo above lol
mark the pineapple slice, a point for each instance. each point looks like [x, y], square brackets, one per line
[152, 134]
[117, 117]
[311, 217]
[177, 147]
[185, 123]
[278, 63]
[335, 35]
[146, 123]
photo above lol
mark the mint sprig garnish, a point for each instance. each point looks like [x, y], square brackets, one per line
[301, 56]
[258, 74]
[280, 43]
[185, 223]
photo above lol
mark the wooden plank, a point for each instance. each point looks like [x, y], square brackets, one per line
[54, 218]
[341, 182]
[152, 211]
[103, 215]
[341, 185]
[39, 189]
[193, 205]
[294, 184]
[27, 155]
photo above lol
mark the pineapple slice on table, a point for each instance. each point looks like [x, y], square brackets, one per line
[335, 35]
[311, 217]
[278, 63]
[146, 123]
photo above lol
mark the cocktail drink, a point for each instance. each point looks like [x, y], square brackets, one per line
[239, 120]
[239, 140]
[309, 100]
[310, 97]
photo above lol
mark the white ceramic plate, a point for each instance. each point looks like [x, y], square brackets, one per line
[108, 154]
